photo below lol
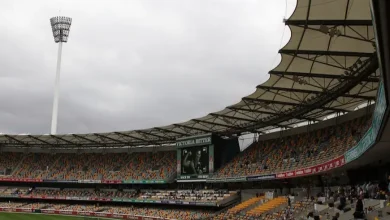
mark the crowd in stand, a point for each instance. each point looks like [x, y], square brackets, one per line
[9, 161]
[292, 152]
[150, 166]
[6, 191]
[84, 193]
[263, 157]
[163, 213]
[113, 166]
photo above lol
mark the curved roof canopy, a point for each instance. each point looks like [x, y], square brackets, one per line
[328, 66]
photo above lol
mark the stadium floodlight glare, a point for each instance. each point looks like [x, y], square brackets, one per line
[60, 26]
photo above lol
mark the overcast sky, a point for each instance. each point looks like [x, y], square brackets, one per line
[133, 64]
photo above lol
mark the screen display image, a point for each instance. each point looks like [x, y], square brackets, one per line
[195, 160]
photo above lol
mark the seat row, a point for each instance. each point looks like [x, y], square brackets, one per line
[128, 210]
[298, 151]
[178, 195]
[113, 166]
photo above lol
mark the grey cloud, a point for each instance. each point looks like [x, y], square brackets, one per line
[132, 64]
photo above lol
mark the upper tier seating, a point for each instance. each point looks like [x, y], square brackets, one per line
[264, 157]
[113, 166]
[293, 152]
[153, 166]
[9, 161]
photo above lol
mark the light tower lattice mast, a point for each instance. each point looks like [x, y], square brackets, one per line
[60, 27]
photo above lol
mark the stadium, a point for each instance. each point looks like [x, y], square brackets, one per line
[319, 151]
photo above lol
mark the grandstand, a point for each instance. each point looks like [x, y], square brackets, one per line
[94, 167]
[321, 114]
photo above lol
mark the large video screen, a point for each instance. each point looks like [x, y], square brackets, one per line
[195, 160]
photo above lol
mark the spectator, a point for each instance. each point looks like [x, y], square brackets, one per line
[343, 202]
[288, 201]
[388, 187]
[310, 216]
[359, 209]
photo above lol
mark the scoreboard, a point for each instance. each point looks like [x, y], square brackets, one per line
[195, 158]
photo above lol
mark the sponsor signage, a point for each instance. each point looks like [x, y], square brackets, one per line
[144, 181]
[9, 196]
[112, 181]
[227, 179]
[189, 177]
[337, 162]
[261, 177]
[81, 213]
[194, 141]
[20, 180]
[370, 137]
[84, 181]
[89, 181]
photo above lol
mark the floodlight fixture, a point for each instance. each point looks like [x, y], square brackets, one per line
[60, 26]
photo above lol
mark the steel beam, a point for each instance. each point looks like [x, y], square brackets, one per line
[330, 22]
[188, 127]
[319, 75]
[289, 103]
[216, 124]
[42, 141]
[137, 138]
[326, 53]
[87, 139]
[169, 131]
[233, 117]
[108, 138]
[16, 140]
[312, 92]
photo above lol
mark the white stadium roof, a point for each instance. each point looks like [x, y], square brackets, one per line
[328, 66]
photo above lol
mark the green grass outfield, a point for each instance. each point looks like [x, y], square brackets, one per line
[24, 216]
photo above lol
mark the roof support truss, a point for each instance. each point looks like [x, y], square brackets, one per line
[16, 140]
[64, 140]
[40, 140]
[330, 22]
[136, 138]
[154, 135]
[86, 139]
[216, 124]
[169, 131]
[234, 117]
[289, 103]
[116, 141]
[191, 128]
[320, 75]
[326, 53]
[313, 92]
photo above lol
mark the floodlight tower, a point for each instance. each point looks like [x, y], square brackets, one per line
[60, 26]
